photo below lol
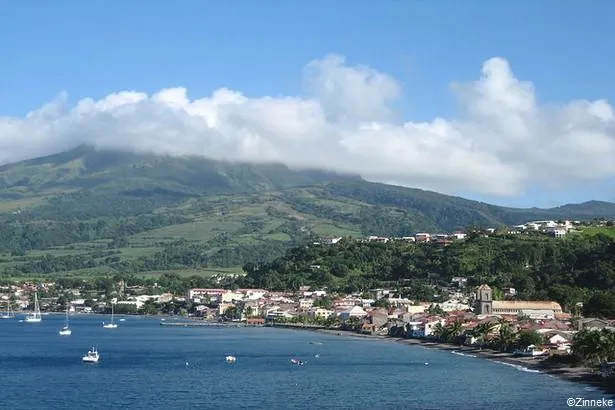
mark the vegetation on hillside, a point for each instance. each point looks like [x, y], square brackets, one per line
[87, 211]
[578, 269]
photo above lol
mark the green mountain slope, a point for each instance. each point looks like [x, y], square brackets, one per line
[94, 210]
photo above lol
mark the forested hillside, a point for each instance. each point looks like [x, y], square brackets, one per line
[89, 211]
[568, 270]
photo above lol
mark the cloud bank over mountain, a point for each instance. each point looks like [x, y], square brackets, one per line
[345, 122]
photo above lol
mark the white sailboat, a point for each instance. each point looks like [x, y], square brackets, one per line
[66, 331]
[9, 312]
[111, 325]
[36, 316]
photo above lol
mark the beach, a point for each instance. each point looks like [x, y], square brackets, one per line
[583, 375]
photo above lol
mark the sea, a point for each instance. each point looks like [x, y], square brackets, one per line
[147, 366]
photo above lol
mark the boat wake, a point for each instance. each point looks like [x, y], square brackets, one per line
[519, 367]
[462, 354]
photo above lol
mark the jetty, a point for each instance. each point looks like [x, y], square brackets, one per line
[210, 324]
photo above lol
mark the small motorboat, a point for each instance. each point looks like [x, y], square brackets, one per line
[91, 357]
[231, 359]
[297, 362]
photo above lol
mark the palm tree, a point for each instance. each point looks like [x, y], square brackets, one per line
[440, 333]
[506, 337]
[594, 346]
[454, 330]
[482, 331]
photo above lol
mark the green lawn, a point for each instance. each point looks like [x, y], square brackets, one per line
[605, 230]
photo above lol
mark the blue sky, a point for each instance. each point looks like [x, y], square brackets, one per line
[93, 49]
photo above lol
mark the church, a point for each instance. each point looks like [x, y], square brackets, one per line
[485, 305]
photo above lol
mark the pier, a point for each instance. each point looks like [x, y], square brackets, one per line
[209, 324]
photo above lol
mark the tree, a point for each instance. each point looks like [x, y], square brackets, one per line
[324, 302]
[506, 337]
[527, 338]
[594, 346]
[601, 304]
[232, 313]
[482, 332]
[440, 332]
[149, 307]
[382, 303]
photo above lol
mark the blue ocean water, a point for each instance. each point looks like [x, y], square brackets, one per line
[143, 366]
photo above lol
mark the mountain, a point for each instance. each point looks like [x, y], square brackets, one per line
[139, 204]
[122, 172]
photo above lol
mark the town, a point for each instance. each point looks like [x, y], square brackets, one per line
[459, 313]
[467, 316]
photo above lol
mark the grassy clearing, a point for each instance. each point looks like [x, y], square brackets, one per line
[54, 252]
[11, 206]
[324, 229]
[279, 236]
[202, 230]
[605, 230]
[205, 272]
[87, 274]
[133, 253]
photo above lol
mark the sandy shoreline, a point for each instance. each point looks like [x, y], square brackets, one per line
[582, 375]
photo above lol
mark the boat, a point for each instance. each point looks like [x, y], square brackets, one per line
[66, 331]
[91, 357]
[297, 362]
[111, 325]
[36, 316]
[9, 312]
[231, 359]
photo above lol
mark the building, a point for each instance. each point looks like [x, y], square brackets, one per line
[557, 232]
[305, 304]
[205, 293]
[321, 313]
[484, 300]
[355, 311]
[422, 237]
[485, 305]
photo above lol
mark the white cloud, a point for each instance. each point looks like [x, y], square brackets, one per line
[345, 122]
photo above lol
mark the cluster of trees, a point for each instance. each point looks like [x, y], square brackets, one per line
[184, 254]
[501, 336]
[49, 263]
[18, 236]
[88, 205]
[176, 255]
[568, 270]
[594, 346]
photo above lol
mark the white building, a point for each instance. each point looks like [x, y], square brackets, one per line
[557, 232]
[305, 304]
[355, 311]
[321, 313]
[452, 305]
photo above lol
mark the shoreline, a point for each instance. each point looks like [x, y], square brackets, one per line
[581, 375]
